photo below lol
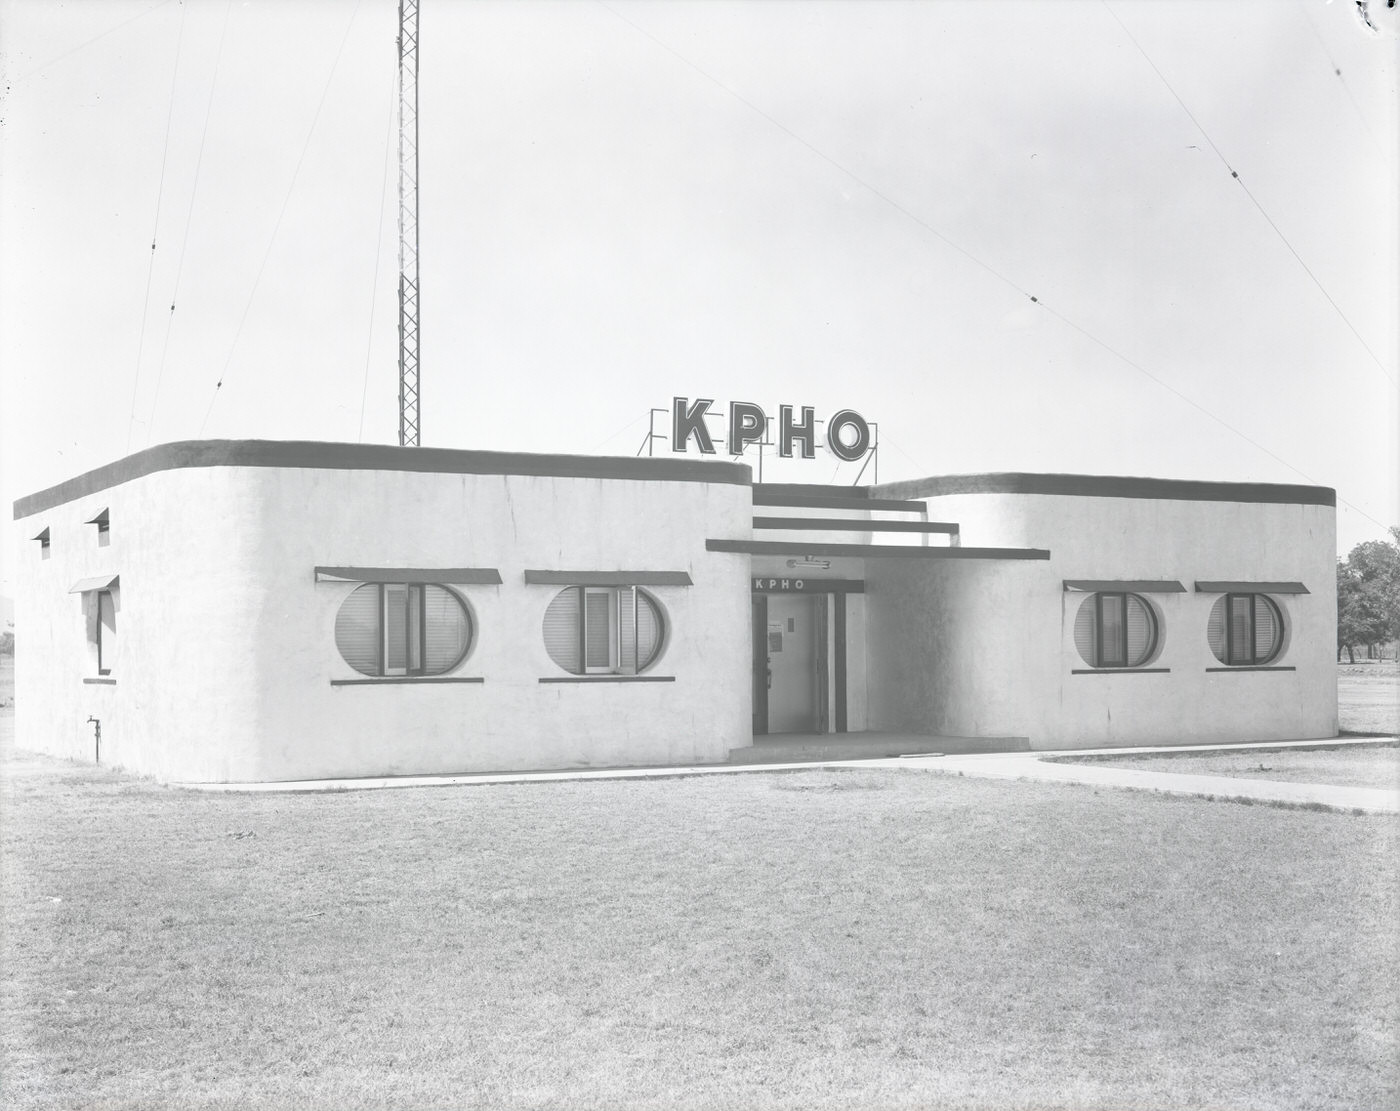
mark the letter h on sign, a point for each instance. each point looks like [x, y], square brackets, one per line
[806, 432]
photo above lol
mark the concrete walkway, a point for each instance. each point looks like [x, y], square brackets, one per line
[1041, 766]
[1317, 795]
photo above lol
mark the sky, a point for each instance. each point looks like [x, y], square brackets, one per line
[1010, 234]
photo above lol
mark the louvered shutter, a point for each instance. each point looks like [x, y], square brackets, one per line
[448, 630]
[1140, 630]
[627, 659]
[1266, 629]
[1084, 631]
[561, 630]
[649, 631]
[1215, 630]
[357, 629]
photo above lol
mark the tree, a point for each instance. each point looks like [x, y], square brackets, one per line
[1368, 594]
[1350, 628]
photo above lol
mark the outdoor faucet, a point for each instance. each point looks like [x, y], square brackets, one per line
[96, 739]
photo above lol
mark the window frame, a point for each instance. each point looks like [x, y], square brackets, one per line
[615, 665]
[111, 650]
[415, 631]
[103, 521]
[1120, 661]
[1254, 659]
[612, 613]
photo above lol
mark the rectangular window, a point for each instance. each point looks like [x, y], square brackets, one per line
[106, 632]
[1240, 627]
[103, 521]
[599, 631]
[415, 630]
[1113, 643]
[396, 629]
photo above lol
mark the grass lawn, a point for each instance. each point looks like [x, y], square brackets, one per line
[809, 940]
[1361, 766]
[1368, 697]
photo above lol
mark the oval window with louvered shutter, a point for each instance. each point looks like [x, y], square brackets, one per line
[1115, 630]
[1245, 630]
[403, 629]
[615, 630]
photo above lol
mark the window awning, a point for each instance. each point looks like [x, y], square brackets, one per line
[608, 578]
[1126, 586]
[97, 582]
[458, 576]
[1250, 588]
[101, 519]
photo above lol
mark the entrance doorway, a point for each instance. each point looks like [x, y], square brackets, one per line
[792, 657]
[791, 663]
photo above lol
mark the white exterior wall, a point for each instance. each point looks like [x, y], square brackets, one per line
[184, 696]
[945, 655]
[226, 655]
[987, 648]
[227, 645]
[511, 721]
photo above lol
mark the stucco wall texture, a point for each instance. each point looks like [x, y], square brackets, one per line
[226, 649]
[226, 667]
[987, 649]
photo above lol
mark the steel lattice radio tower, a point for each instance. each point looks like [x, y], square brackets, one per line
[409, 426]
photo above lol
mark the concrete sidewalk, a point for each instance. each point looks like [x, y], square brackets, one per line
[1327, 796]
[1042, 766]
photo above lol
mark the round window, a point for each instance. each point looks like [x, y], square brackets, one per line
[1115, 630]
[1245, 629]
[604, 629]
[403, 629]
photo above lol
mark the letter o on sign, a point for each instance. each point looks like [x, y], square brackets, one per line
[847, 435]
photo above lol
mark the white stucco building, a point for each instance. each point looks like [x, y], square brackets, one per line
[260, 611]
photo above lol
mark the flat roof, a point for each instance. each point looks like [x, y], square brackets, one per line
[1108, 486]
[315, 455]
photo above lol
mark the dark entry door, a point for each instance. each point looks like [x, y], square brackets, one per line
[760, 664]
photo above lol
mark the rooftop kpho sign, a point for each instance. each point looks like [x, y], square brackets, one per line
[847, 433]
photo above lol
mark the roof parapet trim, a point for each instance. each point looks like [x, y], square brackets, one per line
[1109, 486]
[868, 551]
[313, 455]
